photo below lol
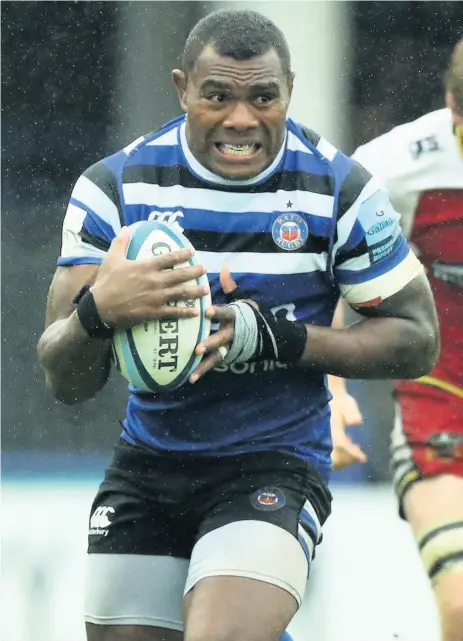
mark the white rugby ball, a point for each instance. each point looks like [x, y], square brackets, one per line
[159, 355]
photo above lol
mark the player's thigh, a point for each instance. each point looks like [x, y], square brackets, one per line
[130, 633]
[137, 560]
[230, 608]
[249, 568]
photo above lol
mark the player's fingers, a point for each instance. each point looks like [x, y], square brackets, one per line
[166, 260]
[352, 414]
[226, 281]
[224, 336]
[353, 450]
[119, 243]
[172, 311]
[208, 363]
[223, 314]
[185, 292]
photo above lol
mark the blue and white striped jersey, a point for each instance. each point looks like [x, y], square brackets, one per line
[312, 226]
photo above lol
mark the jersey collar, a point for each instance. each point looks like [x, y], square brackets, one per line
[209, 176]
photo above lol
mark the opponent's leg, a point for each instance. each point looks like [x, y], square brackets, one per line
[427, 457]
[434, 509]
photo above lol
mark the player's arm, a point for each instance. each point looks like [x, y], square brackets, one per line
[377, 274]
[76, 366]
[74, 349]
[399, 338]
[381, 278]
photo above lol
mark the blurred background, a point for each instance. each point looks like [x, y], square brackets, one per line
[80, 80]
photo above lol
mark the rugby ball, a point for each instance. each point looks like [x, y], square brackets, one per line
[159, 355]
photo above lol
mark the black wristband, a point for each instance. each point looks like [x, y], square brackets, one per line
[281, 339]
[89, 317]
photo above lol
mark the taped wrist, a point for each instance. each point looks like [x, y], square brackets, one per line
[260, 336]
[89, 317]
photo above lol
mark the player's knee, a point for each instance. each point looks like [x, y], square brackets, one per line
[231, 631]
[130, 633]
[450, 602]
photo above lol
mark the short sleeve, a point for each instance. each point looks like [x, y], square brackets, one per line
[93, 217]
[390, 159]
[372, 258]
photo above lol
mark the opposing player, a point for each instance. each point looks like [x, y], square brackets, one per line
[421, 163]
[209, 514]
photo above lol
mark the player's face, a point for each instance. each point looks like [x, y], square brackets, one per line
[236, 111]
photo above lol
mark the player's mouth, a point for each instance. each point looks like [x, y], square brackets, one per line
[239, 152]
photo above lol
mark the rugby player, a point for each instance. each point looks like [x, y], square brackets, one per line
[205, 525]
[421, 164]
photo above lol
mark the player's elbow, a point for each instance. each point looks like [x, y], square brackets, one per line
[424, 348]
[63, 392]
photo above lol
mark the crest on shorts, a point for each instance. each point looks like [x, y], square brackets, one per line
[268, 498]
[290, 232]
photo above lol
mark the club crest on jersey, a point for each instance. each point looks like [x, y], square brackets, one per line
[268, 498]
[290, 232]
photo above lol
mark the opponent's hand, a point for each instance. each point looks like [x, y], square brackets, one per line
[129, 292]
[345, 413]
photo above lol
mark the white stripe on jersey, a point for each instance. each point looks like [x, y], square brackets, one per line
[177, 197]
[347, 222]
[385, 285]
[356, 264]
[95, 199]
[256, 263]
[72, 244]
[326, 149]
[133, 144]
[168, 139]
[294, 144]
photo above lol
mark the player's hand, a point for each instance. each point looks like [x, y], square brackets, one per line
[216, 345]
[345, 413]
[129, 292]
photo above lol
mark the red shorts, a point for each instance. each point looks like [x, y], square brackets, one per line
[427, 439]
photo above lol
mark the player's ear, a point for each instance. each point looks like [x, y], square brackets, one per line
[291, 77]
[180, 82]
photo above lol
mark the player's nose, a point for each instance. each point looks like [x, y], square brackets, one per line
[241, 117]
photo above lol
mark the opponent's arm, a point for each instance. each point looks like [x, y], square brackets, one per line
[337, 384]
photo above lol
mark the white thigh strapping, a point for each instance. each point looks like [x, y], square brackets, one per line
[251, 549]
[133, 589]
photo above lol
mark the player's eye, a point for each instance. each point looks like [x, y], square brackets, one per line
[217, 97]
[264, 99]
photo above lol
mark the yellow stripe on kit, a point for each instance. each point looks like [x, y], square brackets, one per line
[443, 385]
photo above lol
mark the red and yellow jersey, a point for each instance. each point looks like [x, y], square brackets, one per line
[421, 165]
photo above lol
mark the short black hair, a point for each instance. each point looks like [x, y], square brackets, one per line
[238, 34]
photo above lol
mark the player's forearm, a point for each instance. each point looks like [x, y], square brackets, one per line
[375, 348]
[76, 366]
